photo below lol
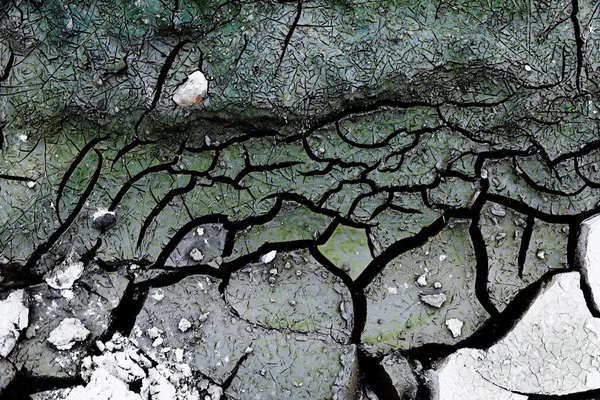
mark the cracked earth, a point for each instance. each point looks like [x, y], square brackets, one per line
[299, 199]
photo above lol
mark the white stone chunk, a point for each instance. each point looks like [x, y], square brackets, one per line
[69, 331]
[14, 317]
[103, 386]
[434, 300]
[65, 274]
[193, 91]
[267, 258]
[455, 326]
[184, 325]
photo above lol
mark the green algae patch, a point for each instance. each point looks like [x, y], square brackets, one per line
[348, 249]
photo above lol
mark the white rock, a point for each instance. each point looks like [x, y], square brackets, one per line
[267, 258]
[443, 257]
[31, 184]
[69, 331]
[154, 332]
[434, 300]
[184, 325]
[527, 67]
[422, 280]
[103, 386]
[179, 355]
[193, 91]
[14, 317]
[66, 273]
[196, 254]
[437, 285]
[158, 294]
[455, 326]
[392, 290]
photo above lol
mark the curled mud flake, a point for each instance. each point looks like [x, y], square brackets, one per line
[193, 91]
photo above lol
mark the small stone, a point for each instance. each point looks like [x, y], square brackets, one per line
[193, 91]
[272, 280]
[248, 350]
[455, 326]
[287, 265]
[154, 332]
[184, 325]
[298, 273]
[484, 174]
[437, 285]
[392, 290]
[158, 295]
[157, 342]
[196, 254]
[207, 140]
[203, 317]
[527, 67]
[14, 317]
[200, 231]
[443, 257]
[422, 280]
[267, 258]
[541, 254]
[103, 218]
[31, 184]
[100, 345]
[434, 300]
[273, 271]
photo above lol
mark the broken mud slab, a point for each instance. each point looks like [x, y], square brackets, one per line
[217, 341]
[292, 293]
[89, 302]
[409, 303]
[552, 350]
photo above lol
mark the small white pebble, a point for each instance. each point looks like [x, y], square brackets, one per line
[422, 280]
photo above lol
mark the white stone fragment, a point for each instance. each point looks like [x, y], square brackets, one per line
[437, 285]
[200, 231]
[66, 273]
[184, 325]
[69, 331]
[392, 290]
[267, 258]
[541, 254]
[527, 67]
[179, 355]
[193, 91]
[434, 300]
[103, 386]
[273, 271]
[31, 184]
[443, 257]
[196, 254]
[455, 326]
[154, 332]
[158, 294]
[422, 280]
[14, 317]
[101, 213]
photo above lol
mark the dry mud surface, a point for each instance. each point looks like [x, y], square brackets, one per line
[306, 199]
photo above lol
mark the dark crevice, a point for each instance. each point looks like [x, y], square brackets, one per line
[288, 37]
[398, 248]
[578, 42]
[587, 395]
[25, 384]
[47, 245]
[374, 376]
[229, 380]
[359, 301]
[525, 240]
[63, 182]
[124, 315]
